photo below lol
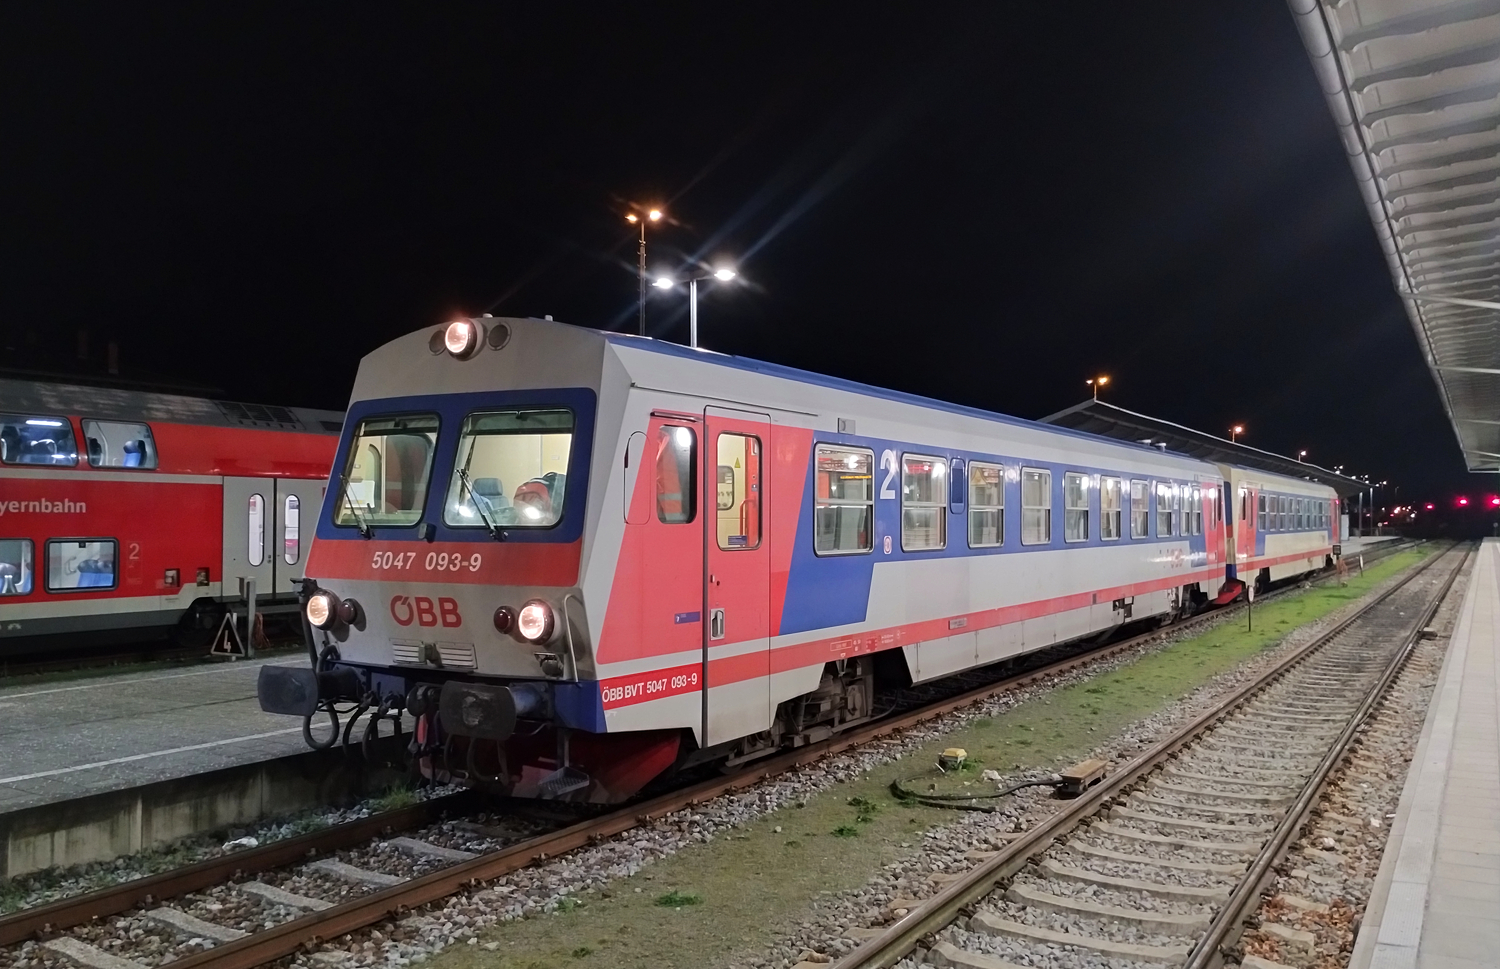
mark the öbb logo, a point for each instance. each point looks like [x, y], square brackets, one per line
[407, 609]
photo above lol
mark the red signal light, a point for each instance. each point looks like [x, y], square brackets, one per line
[1463, 501]
[1495, 501]
[1429, 506]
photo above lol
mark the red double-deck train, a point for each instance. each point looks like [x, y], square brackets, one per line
[126, 514]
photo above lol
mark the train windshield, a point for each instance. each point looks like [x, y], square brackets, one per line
[511, 469]
[385, 478]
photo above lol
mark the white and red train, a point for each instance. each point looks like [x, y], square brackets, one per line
[125, 514]
[581, 558]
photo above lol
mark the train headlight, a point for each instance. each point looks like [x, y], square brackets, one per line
[461, 338]
[534, 621]
[322, 609]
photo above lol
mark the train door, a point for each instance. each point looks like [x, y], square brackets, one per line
[737, 576]
[296, 507]
[249, 546]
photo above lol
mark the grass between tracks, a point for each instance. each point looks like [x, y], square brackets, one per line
[734, 896]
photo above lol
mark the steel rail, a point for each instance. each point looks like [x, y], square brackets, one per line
[1229, 923]
[68, 913]
[940, 910]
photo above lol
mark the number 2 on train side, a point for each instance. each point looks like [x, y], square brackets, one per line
[888, 464]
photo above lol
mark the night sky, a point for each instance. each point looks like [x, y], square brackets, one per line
[980, 203]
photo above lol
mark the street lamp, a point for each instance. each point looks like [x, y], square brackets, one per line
[1235, 432]
[638, 218]
[1301, 455]
[1096, 383]
[667, 282]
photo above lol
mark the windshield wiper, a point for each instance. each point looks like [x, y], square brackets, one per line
[495, 533]
[364, 526]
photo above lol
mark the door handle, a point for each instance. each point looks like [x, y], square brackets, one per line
[716, 624]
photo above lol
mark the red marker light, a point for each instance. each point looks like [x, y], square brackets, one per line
[1495, 501]
[1429, 506]
[1463, 501]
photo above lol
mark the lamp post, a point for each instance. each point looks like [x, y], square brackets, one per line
[667, 282]
[636, 218]
[1300, 456]
[1096, 383]
[1235, 432]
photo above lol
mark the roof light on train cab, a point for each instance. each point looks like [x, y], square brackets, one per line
[322, 609]
[461, 338]
[534, 622]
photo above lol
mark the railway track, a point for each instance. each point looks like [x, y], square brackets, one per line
[1160, 864]
[255, 906]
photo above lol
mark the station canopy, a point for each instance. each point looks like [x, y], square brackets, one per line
[1414, 87]
[1107, 420]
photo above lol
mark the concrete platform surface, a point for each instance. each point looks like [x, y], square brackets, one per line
[68, 739]
[1436, 900]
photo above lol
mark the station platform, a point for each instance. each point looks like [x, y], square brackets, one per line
[1436, 899]
[70, 739]
[1357, 544]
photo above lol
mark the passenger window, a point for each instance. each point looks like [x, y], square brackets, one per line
[1261, 515]
[1109, 509]
[676, 474]
[32, 439]
[1192, 510]
[986, 505]
[1075, 507]
[1036, 507]
[1140, 510]
[291, 539]
[115, 444]
[17, 574]
[388, 470]
[738, 492]
[256, 530]
[924, 503]
[74, 564]
[844, 502]
[1166, 497]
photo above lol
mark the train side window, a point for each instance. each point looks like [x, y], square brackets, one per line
[1109, 509]
[1075, 507]
[17, 573]
[1282, 504]
[37, 439]
[676, 474]
[291, 538]
[1140, 509]
[844, 512]
[117, 444]
[738, 492]
[986, 505]
[1166, 497]
[1261, 521]
[75, 564]
[924, 503]
[1036, 507]
[255, 530]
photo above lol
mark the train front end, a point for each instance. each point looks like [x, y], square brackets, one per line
[445, 574]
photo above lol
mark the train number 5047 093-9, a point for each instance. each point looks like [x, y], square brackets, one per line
[432, 562]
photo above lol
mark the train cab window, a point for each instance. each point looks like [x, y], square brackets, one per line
[387, 472]
[676, 474]
[291, 530]
[924, 503]
[844, 513]
[255, 530]
[737, 490]
[1109, 509]
[37, 439]
[986, 505]
[78, 564]
[1075, 507]
[1262, 516]
[1166, 499]
[17, 574]
[1140, 509]
[116, 444]
[1036, 507]
[511, 469]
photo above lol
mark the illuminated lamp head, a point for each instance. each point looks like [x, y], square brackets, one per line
[461, 338]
